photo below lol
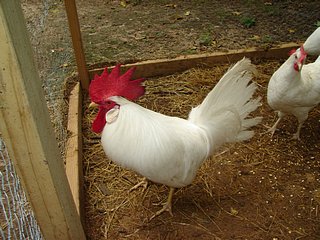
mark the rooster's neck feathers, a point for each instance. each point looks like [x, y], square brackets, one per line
[312, 44]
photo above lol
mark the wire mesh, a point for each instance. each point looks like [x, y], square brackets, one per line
[53, 55]
[17, 220]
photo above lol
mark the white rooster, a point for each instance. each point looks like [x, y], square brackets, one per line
[295, 88]
[169, 150]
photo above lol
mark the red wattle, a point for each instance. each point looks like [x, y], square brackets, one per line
[100, 121]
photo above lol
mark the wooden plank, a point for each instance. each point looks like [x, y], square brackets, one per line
[162, 67]
[74, 27]
[26, 129]
[74, 149]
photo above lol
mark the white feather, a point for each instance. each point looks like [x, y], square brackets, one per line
[312, 44]
[169, 150]
[164, 149]
[293, 92]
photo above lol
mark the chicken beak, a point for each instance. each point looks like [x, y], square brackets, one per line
[93, 105]
[302, 59]
[299, 66]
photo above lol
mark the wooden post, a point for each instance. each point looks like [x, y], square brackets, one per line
[26, 129]
[74, 27]
[74, 149]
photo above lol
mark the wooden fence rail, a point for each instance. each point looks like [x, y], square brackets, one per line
[26, 128]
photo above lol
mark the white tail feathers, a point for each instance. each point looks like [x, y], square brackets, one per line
[224, 111]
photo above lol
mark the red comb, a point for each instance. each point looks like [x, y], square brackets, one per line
[292, 51]
[303, 52]
[114, 84]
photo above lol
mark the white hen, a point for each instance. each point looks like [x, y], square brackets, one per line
[169, 150]
[312, 44]
[295, 88]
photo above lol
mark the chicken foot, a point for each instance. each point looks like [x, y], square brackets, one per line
[296, 136]
[167, 206]
[143, 183]
[274, 127]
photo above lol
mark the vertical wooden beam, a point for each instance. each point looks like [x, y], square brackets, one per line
[26, 129]
[74, 27]
[74, 149]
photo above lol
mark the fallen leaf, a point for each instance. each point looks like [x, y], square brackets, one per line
[236, 13]
[55, 10]
[171, 5]
[123, 3]
[64, 65]
[187, 13]
[234, 211]
[291, 30]
[255, 37]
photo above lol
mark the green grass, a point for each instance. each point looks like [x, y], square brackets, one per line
[266, 39]
[188, 51]
[205, 39]
[248, 22]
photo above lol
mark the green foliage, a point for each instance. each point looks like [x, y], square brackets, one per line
[248, 22]
[318, 23]
[267, 39]
[188, 51]
[205, 39]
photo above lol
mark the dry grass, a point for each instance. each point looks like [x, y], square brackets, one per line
[262, 189]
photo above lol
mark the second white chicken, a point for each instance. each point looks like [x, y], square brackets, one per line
[295, 87]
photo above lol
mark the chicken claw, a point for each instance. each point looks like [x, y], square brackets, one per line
[143, 183]
[167, 206]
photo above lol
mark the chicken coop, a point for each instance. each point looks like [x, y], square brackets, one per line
[55, 177]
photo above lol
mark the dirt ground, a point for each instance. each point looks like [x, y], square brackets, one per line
[267, 188]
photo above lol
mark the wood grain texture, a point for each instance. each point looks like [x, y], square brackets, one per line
[74, 27]
[74, 149]
[26, 129]
[163, 67]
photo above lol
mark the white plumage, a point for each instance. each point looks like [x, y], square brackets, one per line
[169, 150]
[164, 149]
[312, 44]
[296, 90]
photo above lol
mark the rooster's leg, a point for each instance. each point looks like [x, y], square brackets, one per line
[274, 127]
[143, 183]
[302, 117]
[296, 136]
[167, 205]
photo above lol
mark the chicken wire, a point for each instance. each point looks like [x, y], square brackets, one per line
[17, 219]
[53, 54]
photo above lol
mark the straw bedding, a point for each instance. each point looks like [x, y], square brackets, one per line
[267, 188]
